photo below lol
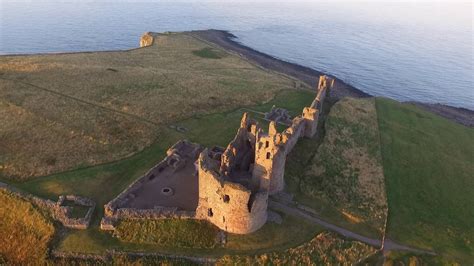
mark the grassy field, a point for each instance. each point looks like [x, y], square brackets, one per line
[342, 178]
[169, 232]
[104, 106]
[429, 169]
[144, 236]
[324, 249]
[291, 232]
[402, 258]
[25, 232]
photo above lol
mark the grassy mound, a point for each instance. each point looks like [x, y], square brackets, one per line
[25, 232]
[343, 178]
[169, 232]
[429, 169]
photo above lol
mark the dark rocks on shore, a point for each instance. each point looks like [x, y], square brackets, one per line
[310, 76]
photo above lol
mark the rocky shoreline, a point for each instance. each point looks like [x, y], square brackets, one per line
[309, 76]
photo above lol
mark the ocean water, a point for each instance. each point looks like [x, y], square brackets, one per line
[407, 51]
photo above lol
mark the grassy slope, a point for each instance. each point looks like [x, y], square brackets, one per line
[344, 173]
[25, 232]
[272, 237]
[104, 106]
[429, 170]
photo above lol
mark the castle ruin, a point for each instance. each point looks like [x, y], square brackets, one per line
[227, 187]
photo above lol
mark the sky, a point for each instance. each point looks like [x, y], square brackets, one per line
[249, 1]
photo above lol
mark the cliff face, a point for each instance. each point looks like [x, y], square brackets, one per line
[146, 39]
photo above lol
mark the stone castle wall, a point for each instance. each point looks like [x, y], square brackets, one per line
[270, 160]
[273, 147]
[239, 154]
[230, 206]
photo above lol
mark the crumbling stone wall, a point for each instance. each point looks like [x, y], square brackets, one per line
[291, 135]
[311, 113]
[55, 208]
[147, 39]
[240, 153]
[270, 160]
[230, 206]
[62, 213]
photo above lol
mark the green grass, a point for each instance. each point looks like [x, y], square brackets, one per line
[318, 190]
[208, 52]
[144, 236]
[403, 258]
[429, 169]
[78, 211]
[181, 233]
[96, 116]
[291, 232]
[325, 249]
[25, 231]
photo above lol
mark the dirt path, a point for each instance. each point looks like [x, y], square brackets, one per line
[389, 245]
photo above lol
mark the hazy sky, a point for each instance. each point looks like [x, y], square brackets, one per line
[250, 1]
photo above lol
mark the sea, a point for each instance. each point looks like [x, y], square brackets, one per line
[409, 51]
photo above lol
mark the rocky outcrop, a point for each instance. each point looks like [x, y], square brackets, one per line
[147, 39]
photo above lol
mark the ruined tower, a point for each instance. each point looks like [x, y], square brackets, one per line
[311, 113]
[229, 196]
[270, 159]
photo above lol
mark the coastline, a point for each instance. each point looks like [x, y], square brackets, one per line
[227, 41]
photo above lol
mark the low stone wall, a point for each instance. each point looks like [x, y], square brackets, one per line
[62, 212]
[121, 200]
[56, 210]
[107, 258]
[115, 210]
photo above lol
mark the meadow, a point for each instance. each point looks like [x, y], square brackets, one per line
[25, 231]
[339, 173]
[82, 109]
[428, 167]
